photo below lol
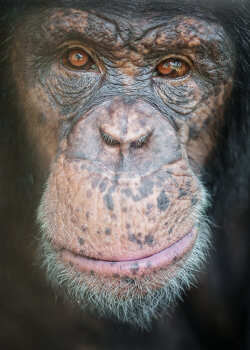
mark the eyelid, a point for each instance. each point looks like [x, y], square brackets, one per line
[186, 59]
[64, 47]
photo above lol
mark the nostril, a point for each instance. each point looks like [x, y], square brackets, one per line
[140, 142]
[109, 140]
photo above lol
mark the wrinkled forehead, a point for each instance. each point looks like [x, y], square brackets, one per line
[98, 24]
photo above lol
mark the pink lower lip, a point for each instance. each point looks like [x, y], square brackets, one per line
[134, 268]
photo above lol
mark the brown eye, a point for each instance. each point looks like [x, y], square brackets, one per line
[173, 68]
[77, 59]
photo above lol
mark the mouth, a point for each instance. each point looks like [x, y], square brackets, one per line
[136, 267]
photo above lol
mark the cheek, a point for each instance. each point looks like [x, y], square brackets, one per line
[41, 127]
[43, 144]
[39, 115]
[201, 131]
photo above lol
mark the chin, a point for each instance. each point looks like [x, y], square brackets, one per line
[116, 289]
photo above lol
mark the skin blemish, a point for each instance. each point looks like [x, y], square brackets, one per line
[146, 188]
[132, 237]
[87, 215]
[128, 192]
[80, 240]
[103, 186]
[84, 228]
[170, 231]
[182, 193]
[149, 239]
[162, 201]
[175, 259]
[128, 280]
[124, 210]
[107, 231]
[134, 268]
[128, 226]
[108, 201]
[95, 183]
[81, 252]
[98, 232]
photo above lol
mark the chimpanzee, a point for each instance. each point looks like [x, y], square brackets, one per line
[125, 160]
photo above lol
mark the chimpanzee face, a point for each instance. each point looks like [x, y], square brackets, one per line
[122, 111]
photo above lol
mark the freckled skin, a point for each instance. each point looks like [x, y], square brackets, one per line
[120, 201]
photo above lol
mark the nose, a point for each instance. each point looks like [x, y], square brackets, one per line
[130, 137]
[119, 134]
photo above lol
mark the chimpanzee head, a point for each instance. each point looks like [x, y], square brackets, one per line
[122, 108]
